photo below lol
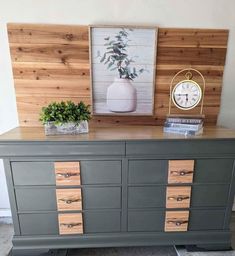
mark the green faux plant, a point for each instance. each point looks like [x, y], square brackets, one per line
[116, 57]
[65, 112]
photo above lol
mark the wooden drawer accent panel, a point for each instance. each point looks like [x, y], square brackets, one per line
[180, 171]
[69, 199]
[176, 221]
[178, 197]
[67, 173]
[70, 223]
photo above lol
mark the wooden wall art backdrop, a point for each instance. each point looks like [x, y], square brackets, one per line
[51, 63]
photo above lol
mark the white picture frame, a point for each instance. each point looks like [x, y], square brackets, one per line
[123, 65]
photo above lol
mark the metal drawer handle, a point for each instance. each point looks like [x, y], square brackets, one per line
[67, 174]
[70, 201]
[177, 222]
[178, 198]
[71, 225]
[181, 172]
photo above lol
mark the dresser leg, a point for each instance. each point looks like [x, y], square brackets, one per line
[208, 247]
[46, 252]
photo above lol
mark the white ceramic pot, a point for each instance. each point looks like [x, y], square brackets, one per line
[121, 96]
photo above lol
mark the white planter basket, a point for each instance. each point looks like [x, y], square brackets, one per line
[68, 128]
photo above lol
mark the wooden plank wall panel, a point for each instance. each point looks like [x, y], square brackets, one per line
[51, 63]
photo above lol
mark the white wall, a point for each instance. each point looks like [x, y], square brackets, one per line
[164, 13]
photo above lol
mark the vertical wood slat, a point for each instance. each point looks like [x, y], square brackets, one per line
[52, 62]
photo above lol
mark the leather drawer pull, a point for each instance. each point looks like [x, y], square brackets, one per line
[71, 225]
[67, 175]
[70, 201]
[178, 198]
[181, 172]
[177, 222]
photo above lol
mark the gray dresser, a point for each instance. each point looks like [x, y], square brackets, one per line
[123, 186]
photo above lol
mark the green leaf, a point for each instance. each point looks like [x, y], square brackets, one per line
[64, 112]
[103, 58]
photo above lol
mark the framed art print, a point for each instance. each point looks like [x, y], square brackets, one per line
[123, 63]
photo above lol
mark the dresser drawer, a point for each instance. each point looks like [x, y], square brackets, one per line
[101, 197]
[44, 198]
[39, 224]
[101, 172]
[147, 171]
[102, 221]
[206, 220]
[147, 220]
[188, 147]
[180, 171]
[142, 197]
[178, 197]
[72, 223]
[213, 170]
[210, 195]
[62, 148]
[33, 173]
[66, 173]
[36, 199]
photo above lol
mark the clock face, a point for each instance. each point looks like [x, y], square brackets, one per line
[186, 94]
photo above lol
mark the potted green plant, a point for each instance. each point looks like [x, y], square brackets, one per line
[65, 118]
[121, 94]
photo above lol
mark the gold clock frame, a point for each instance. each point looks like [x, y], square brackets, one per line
[189, 76]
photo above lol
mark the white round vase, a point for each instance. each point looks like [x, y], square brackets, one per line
[121, 96]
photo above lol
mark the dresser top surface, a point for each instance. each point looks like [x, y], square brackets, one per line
[113, 133]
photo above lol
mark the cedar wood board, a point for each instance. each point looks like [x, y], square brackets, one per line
[51, 63]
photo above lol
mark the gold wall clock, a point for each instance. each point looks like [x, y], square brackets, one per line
[187, 93]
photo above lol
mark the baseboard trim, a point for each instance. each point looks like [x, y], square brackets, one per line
[5, 213]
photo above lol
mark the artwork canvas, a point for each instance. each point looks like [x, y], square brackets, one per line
[123, 63]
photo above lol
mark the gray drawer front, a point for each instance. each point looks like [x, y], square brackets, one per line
[99, 197]
[213, 170]
[146, 220]
[47, 223]
[209, 195]
[101, 172]
[206, 219]
[43, 173]
[100, 221]
[39, 224]
[141, 197]
[63, 148]
[189, 147]
[147, 171]
[44, 199]
[33, 173]
[36, 199]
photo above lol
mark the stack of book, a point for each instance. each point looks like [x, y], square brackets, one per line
[184, 126]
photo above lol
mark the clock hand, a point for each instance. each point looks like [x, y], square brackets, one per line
[182, 94]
